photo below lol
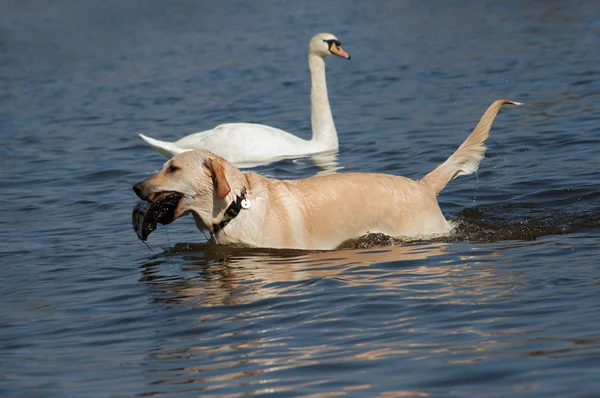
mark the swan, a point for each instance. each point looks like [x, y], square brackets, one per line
[253, 144]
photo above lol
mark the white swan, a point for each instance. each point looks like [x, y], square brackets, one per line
[253, 144]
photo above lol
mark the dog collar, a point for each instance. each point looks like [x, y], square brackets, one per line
[232, 211]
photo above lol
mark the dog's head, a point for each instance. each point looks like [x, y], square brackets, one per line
[196, 182]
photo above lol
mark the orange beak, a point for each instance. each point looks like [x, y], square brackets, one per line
[339, 51]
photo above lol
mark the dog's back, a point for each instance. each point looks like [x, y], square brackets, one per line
[325, 211]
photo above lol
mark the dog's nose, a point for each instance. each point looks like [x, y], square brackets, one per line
[139, 189]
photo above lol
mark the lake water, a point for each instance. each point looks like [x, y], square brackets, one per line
[506, 307]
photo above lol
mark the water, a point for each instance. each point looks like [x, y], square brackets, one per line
[506, 307]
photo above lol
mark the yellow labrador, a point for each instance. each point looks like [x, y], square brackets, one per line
[319, 212]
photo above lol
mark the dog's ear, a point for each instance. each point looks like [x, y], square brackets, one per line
[217, 173]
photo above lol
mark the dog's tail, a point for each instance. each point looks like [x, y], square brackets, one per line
[465, 160]
[169, 149]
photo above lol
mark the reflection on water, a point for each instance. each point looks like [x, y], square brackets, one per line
[223, 273]
[326, 162]
[443, 304]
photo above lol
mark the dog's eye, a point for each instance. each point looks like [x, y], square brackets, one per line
[172, 169]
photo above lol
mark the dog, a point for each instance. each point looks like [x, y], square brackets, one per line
[316, 213]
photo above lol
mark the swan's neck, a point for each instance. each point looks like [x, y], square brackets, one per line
[323, 128]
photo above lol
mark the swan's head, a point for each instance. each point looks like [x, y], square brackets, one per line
[325, 44]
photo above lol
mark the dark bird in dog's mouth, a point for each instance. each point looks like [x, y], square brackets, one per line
[160, 208]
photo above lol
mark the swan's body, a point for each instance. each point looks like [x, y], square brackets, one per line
[251, 144]
[243, 144]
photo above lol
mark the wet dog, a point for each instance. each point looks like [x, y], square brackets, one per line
[316, 213]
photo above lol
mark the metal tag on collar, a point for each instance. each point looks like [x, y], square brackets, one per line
[246, 204]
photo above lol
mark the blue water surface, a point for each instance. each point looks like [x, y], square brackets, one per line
[506, 307]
